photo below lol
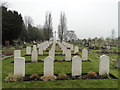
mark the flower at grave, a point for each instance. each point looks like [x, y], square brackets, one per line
[68, 47]
[49, 78]
[34, 76]
[91, 74]
[77, 53]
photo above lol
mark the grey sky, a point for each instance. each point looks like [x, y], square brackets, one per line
[88, 18]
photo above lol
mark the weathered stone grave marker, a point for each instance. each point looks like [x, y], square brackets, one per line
[84, 54]
[48, 66]
[34, 56]
[76, 66]
[19, 66]
[104, 65]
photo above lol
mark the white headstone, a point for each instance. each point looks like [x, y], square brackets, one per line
[108, 47]
[28, 50]
[84, 54]
[19, 66]
[17, 53]
[68, 55]
[40, 51]
[52, 53]
[34, 47]
[34, 56]
[104, 65]
[48, 66]
[76, 49]
[76, 66]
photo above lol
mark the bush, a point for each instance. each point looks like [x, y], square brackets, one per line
[91, 74]
[34, 77]
[13, 78]
[48, 78]
[62, 76]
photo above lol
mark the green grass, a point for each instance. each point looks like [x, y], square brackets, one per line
[61, 67]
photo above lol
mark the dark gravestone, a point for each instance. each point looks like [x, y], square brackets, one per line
[7, 43]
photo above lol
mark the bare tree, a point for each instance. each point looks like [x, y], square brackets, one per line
[28, 21]
[48, 30]
[62, 28]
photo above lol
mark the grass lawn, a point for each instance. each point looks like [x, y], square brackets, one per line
[61, 67]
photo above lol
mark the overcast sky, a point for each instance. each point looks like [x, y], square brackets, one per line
[88, 18]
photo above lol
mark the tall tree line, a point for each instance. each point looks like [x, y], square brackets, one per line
[15, 28]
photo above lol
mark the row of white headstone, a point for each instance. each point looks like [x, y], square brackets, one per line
[41, 47]
[19, 66]
[67, 52]
[19, 62]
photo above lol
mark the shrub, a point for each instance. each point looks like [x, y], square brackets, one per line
[77, 53]
[91, 74]
[48, 78]
[13, 78]
[34, 76]
[62, 76]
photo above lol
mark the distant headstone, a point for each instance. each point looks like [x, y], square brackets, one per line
[17, 53]
[40, 51]
[19, 66]
[52, 53]
[28, 50]
[84, 54]
[34, 56]
[48, 66]
[104, 65]
[76, 66]
[68, 55]
[76, 49]
[108, 47]
[34, 47]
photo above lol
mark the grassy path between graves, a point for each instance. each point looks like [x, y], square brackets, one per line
[61, 67]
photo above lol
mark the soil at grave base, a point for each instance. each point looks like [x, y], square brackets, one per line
[54, 61]
[69, 77]
[108, 52]
[47, 55]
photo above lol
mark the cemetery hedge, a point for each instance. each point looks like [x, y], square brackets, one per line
[61, 67]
